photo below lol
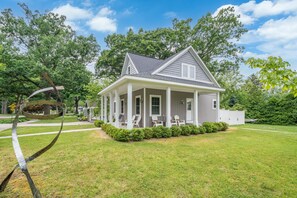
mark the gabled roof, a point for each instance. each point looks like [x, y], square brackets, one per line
[148, 67]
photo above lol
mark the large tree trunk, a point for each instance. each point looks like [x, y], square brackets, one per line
[76, 100]
[4, 107]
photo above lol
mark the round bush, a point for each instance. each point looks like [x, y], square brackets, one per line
[225, 126]
[166, 132]
[194, 129]
[208, 126]
[136, 134]
[122, 135]
[157, 131]
[148, 133]
[98, 123]
[176, 131]
[202, 129]
[186, 130]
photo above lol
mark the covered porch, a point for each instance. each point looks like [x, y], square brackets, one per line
[143, 100]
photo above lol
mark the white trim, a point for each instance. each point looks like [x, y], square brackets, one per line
[144, 107]
[189, 72]
[171, 61]
[156, 96]
[192, 109]
[128, 71]
[122, 106]
[168, 107]
[202, 81]
[198, 59]
[156, 81]
[212, 104]
[138, 96]
[132, 63]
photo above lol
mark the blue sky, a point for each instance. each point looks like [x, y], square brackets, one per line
[272, 25]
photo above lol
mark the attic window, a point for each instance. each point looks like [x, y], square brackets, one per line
[188, 71]
[129, 69]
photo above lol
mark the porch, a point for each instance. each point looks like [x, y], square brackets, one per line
[147, 99]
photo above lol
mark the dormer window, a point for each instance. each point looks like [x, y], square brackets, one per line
[129, 69]
[188, 71]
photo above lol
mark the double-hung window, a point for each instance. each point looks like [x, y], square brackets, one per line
[137, 105]
[155, 105]
[188, 71]
[122, 106]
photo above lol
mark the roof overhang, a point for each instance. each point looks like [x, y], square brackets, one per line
[125, 79]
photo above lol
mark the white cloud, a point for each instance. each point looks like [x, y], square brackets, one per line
[72, 12]
[76, 17]
[127, 12]
[87, 3]
[102, 23]
[105, 11]
[170, 15]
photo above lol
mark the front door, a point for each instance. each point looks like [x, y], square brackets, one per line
[189, 109]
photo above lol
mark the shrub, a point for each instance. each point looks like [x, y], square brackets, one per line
[225, 126]
[122, 135]
[136, 134]
[194, 129]
[148, 133]
[98, 123]
[83, 118]
[166, 132]
[209, 126]
[176, 131]
[186, 130]
[202, 129]
[157, 131]
[218, 125]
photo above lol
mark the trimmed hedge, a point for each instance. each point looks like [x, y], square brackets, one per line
[98, 123]
[138, 134]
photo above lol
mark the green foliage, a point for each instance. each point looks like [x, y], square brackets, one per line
[10, 120]
[176, 131]
[139, 134]
[275, 73]
[212, 36]
[98, 123]
[209, 126]
[148, 133]
[38, 43]
[186, 130]
[136, 134]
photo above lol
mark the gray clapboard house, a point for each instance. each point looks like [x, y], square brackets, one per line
[149, 88]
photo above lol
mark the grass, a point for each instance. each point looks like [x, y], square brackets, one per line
[271, 127]
[57, 120]
[237, 163]
[40, 129]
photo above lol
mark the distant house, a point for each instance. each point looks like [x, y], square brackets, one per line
[150, 88]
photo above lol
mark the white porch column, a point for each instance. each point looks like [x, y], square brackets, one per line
[129, 106]
[144, 107]
[196, 108]
[101, 109]
[117, 110]
[168, 107]
[105, 109]
[218, 106]
[110, 108]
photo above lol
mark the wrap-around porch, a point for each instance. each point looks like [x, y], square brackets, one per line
[138, 101]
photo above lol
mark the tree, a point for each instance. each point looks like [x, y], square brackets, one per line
[275, 73]
[41, 43]
[212, 37]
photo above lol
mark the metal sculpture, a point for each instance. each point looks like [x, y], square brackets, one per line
[21, 107]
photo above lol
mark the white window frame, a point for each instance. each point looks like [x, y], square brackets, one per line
[188, 74]
[156, 96]
[122, 107]
[139, 96]
[213, 102]
[129, 69]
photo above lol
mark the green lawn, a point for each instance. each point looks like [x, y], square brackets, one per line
[57, 120]
[237, 163]
[40, 129]
[271, 127]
